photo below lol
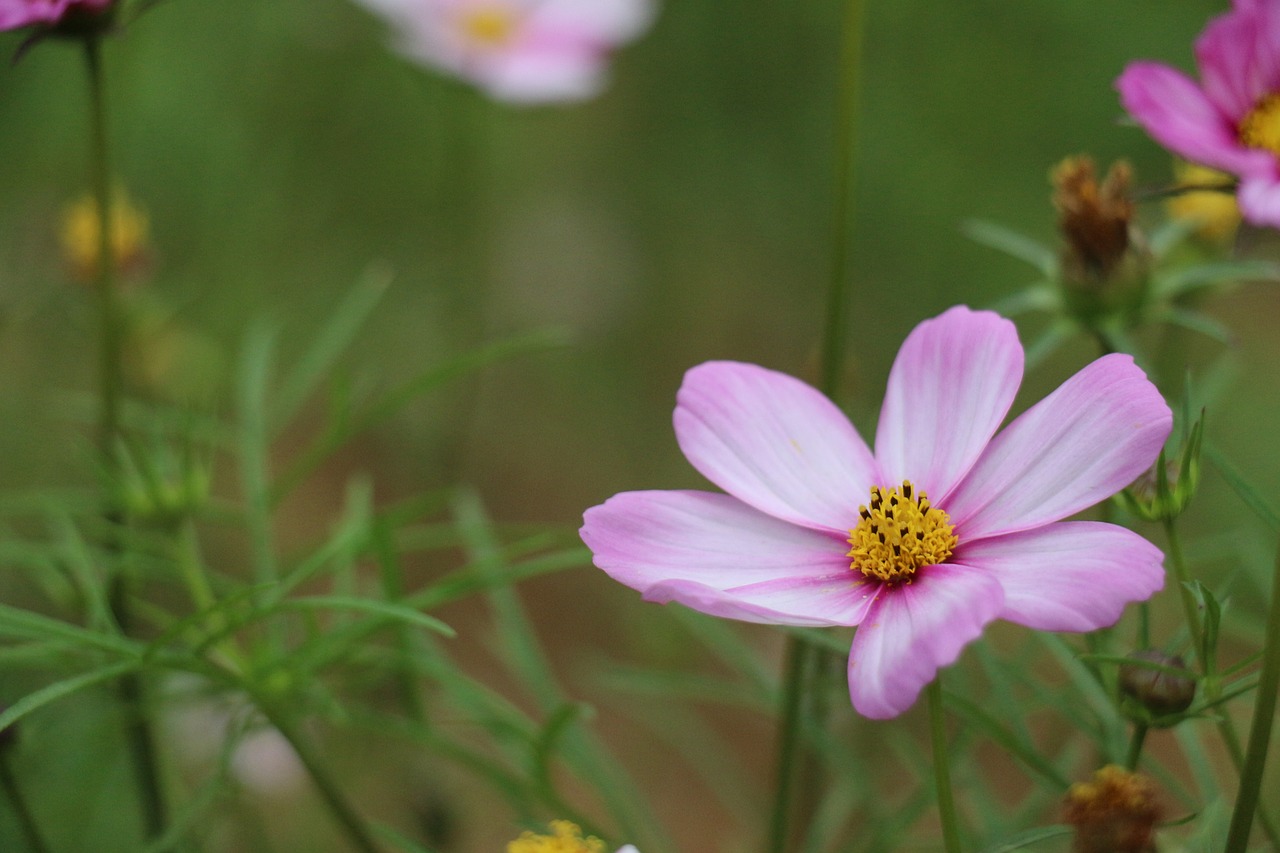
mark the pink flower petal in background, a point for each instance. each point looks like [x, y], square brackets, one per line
[1231, 120]
[521, 51]
[799, 478]
[23, 13]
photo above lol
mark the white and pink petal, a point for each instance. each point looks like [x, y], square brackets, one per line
[1068, 576]
[1081, 444]
[775, 443]
[951, 386]
[913, 630]
[715, 554]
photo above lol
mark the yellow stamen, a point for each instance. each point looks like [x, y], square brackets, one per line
[1261, 127]
[489, 25]
[567, 838]
[899, 533]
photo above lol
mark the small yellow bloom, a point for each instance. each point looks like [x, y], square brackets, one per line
[1217, 212]
[566, 838]
[81, 235]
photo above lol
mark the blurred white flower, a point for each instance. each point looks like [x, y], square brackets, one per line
[523, 51]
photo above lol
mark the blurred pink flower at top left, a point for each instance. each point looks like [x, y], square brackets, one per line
[524, 51]
[23, 13]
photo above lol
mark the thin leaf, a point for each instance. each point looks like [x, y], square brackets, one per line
[24, 624]
[390, 610]
[1247, 493]
[329, 343]
[1029, 838]
[1012, 243]
[53, 692]
[976, 716]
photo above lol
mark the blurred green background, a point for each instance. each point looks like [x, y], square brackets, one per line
[281, 151]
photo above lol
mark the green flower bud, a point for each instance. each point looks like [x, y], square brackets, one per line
[1156, 690]
[1163, 491]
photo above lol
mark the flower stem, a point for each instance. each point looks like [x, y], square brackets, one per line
[942, 768]
[833, 332]
[1260, 731]
[799, 653]
[1212, 689]
[138, 732]
[1135, 745]
[30, 830]
[358, 833]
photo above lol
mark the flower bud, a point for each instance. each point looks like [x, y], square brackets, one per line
[1163, 491]
[1104, 262]
[1116, 812]
[81, 237]
[1157, 691]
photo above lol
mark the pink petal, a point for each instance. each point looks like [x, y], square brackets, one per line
[1069, 576]
[915, 629]
[775, 443]
[951, 385]
[1239, 58]
[604, 22]
[530, 76]
[1181, 117]
[715, 554]
[1259, 200]
[1084, 442]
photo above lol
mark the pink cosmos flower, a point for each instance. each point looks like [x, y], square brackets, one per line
[525, 51]
[951, 525]
[22, 13]
[1231, 120]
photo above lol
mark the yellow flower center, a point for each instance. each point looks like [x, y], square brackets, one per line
[1261, 127]
[899, 533]
[489, 25]
[566, 838]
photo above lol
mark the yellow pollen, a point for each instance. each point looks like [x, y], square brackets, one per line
[899, 533]
[566, 838]
[491, 25]
[1261, 127]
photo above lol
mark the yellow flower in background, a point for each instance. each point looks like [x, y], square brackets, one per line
[1217, 212]
[566, 837]
[81, 235]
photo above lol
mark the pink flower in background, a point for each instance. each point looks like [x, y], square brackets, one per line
[944, 528]
[525, 51]
[22, 13]
[1231, 119]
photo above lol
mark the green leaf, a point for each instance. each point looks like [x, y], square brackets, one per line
[65, 687]
[329, 343]
[1029, 838]
[1024, 751]
[1189, 279]
[396, 612]
[1247, 493]
[32, 626]
[1012, 243]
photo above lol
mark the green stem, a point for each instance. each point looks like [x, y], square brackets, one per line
[138, 732]
[803, 660]
[358, 833]
[1135, 745]
[1260, 731]
[799, 653]
[833, 331]
[111, 332]
[942, 768]
[1213, 690]
[30, 830]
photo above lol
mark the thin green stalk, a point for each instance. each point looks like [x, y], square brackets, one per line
[358, 832]
[138, 734]
[26, 821]
[1212, 687]
[1260, 732]
[1135, 745]
[799, 654]
[833, 330]
[942, 768]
